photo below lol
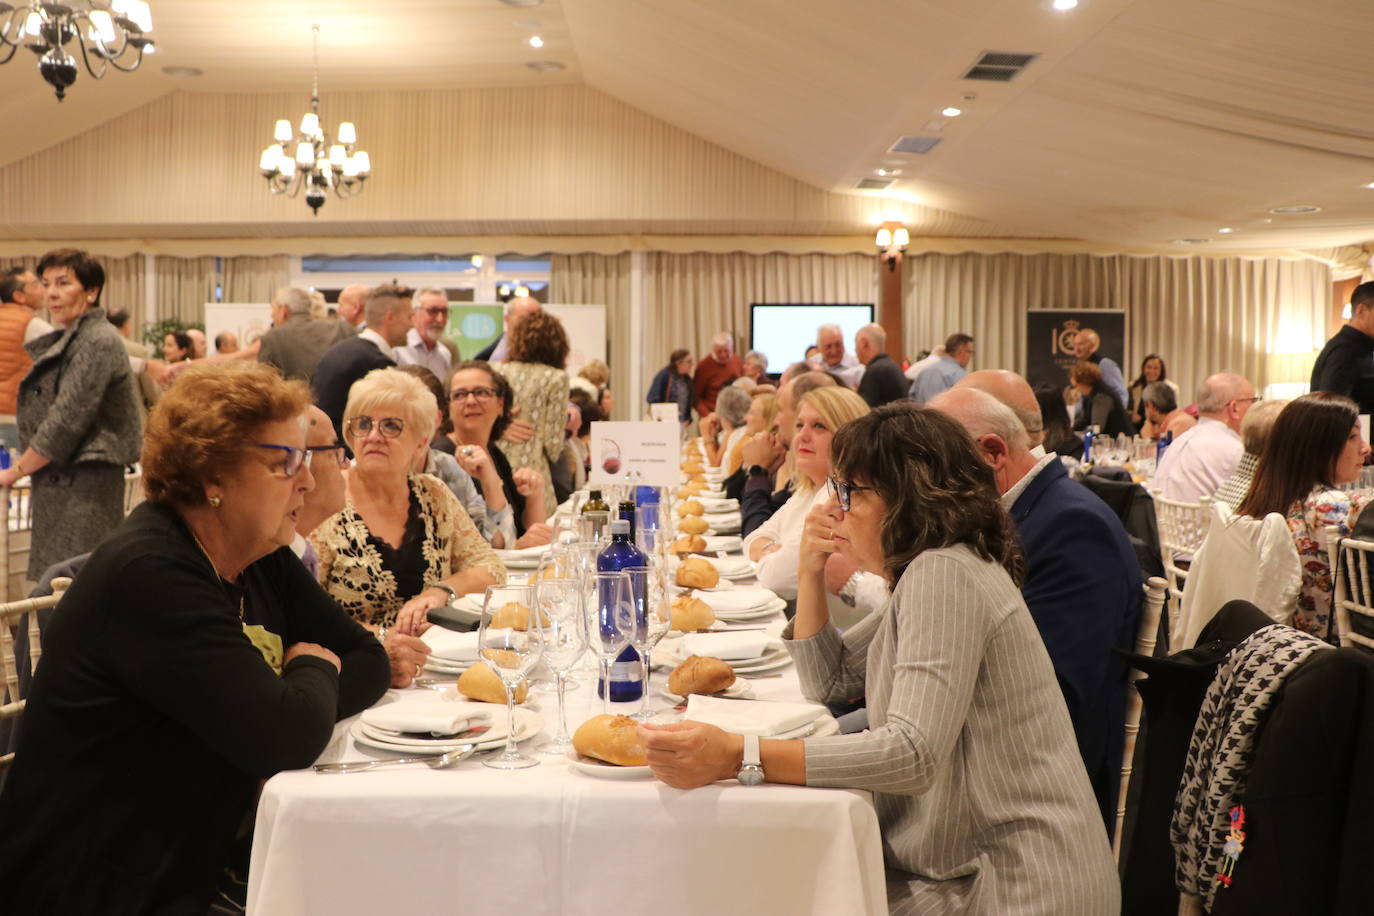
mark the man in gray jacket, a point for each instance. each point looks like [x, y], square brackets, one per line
[296, 342]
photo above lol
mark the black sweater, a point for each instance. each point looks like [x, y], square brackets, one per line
[153, 717]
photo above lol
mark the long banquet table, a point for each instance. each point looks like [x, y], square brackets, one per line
[551, 840]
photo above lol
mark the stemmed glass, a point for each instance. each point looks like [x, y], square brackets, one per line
[653, 618]
[511, 645]
[610, 621]
[565, 639]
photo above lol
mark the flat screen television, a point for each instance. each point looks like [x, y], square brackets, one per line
[783, 331]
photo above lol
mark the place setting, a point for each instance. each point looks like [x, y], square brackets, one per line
[748, 653]
[441, 723]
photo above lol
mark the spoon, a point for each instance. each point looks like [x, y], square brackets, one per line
[443, 761]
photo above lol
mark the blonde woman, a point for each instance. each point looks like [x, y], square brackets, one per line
[759, 418]
[402, 543]
[775, 545]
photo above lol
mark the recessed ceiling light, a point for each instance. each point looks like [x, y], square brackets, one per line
[1370, 185]
[951, 112]
[886, 173]
[522, 3]
[535, 41]
[1226, 230]
[1296, 209]
[1064, 5]
[182, 73]
[1191, 241]
[546, 66]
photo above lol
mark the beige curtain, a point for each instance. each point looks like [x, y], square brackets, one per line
[254, 279]
[125, 283]
[690, 297]
[1202, 315]
[598, 279]
[184, 285]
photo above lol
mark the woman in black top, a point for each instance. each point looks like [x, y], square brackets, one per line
[480, 402]
[1102, 409]
[192, 657]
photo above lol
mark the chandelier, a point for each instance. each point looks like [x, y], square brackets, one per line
[112, 32]
[314, 163]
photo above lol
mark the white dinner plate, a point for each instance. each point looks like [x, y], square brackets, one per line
[739, 690]
[444, 666]
[527, 725]
[824, 725]
[671, 653]
[600, 769]
[768, 610]
[494, 733]
[727, 543]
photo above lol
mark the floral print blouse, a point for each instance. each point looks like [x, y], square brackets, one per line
[541, 393]
[1324, 507]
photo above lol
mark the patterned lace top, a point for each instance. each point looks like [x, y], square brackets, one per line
[1323, 507]
[354, 572]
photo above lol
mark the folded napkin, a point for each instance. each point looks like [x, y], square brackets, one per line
[731, 567]
[723, 543]
[718, 503]
[727, 646]
[523, 553]
[749, 598]
[751, 717]
[450, 645]
[430, 713]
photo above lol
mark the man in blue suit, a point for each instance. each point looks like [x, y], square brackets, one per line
[1082, 580]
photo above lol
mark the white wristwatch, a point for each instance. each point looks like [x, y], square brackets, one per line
[751, 768]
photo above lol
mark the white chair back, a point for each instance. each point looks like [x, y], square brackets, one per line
[1155, 591]
[1353, 602]
[1182, 528]
[11, 613]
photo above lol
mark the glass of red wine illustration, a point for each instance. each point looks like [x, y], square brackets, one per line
[610, 456]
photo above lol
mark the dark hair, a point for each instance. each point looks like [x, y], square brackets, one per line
[1301, 453]
[1363, 295]
[181, 337]
[938, 490]
[590, 414]
[118, 318]
[1055, 417]
[676, 357]
[503, 391]
[436, 387]
[88, 271]
[384, 300]
[539, 338]
[10, 283]
[581, 398]
[1140, 379]
[955, 341]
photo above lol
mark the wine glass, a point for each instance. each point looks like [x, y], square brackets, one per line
[653, 618]
[610, 621]
[510, 639]
[565, 639]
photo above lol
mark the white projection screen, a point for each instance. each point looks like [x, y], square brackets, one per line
[784, 331]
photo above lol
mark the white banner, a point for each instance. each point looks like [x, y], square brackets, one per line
[245, 320]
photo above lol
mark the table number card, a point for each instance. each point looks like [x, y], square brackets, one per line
[664, 413]
[642, 454]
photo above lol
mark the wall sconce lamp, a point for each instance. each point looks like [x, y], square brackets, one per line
[892, 241]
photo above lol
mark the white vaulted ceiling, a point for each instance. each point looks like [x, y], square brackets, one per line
[1140, 122]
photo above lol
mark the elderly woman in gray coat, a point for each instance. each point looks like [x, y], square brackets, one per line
[78, 416]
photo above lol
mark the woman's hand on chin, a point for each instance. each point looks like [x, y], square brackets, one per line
[687, 755]
[413, 617]
[407, 656]
[536, 535]
[818, 537]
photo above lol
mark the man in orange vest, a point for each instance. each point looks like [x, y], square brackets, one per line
[21, 295]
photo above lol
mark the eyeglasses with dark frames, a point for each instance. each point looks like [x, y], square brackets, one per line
[481, 395]
[296, 458]
[844, 491]
[389, 427]
[340, 452]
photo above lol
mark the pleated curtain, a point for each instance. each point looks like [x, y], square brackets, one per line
[249, 278]
[598, 279]
[184, 285]
[125, 282]
[1203, 315]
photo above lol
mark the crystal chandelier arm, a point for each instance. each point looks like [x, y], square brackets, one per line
[108, 56]
[14, 21]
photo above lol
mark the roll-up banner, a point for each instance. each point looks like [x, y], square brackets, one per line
[1050, 335]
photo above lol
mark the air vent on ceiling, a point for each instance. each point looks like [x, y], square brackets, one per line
[917, 145]
[999, 66]
[874, 184]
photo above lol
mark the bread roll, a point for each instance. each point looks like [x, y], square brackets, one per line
[691, 613]
[690, 507]
[697, 573]
[481, 683]
[692, 524]
[614, 739]
[514, 616]
[700, 674]
[692, 466]
[688, 543]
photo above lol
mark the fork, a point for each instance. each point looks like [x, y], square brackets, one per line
[440, 762]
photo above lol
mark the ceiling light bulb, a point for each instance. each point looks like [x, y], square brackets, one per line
[884, 239]
[1370, 186]
[268, 162]
[536, 42]
[503, 290]
[310, 124]
[900, 237]
[141, 15]
[1064, 5]
[102, 26]
[337, 155]
[522, 291]
[282, 132]
[347, 132]
[287, 166]
[33, 25]
[305, 154]
[951, 112]
[350, 168]
[364, 163]
[1225, 230]
[477, 261]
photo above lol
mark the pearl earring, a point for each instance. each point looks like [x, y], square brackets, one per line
[214, 502]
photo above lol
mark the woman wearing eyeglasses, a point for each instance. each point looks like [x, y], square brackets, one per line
[193, 657]
[481, 406]
[402, 543]
[982, 798]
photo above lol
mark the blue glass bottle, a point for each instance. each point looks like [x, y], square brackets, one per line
[1088, 445]
[621, 554]
[1163, 443]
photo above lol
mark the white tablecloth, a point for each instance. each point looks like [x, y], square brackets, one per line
[550, 840]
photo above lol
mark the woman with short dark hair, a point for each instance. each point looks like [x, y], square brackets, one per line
[1314, 448]
[673, 384]
[981, 795]
[193, 657]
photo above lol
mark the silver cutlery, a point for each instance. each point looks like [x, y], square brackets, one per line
[758, 677]
[440, 762]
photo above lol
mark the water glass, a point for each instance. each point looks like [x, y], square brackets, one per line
[565, 639]
[653, 619]
[510, 640]
[610, 620]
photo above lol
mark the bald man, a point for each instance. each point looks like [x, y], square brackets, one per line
[352, 300]
[1082, 580]
[882, 381]
[1199, 461]
[1085, 346]
[499, 349]
[1015, 392]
